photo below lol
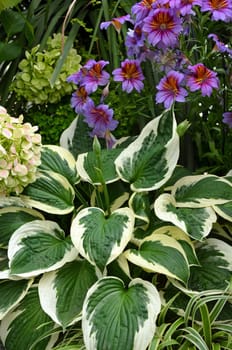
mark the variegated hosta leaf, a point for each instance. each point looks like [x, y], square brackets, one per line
[27, 326]
[116, 317]
[163, 254]
[11, 293]
[102, 239]
[11, 202]
[51, 192]
[62, 292]
[12, 218]
[91, 171]
[60, 160]
[183, 239]
[200, 191]
[140, 205]
[196, 222]
[148, 162]
[224, 210]
[37, 247]
[215, 270]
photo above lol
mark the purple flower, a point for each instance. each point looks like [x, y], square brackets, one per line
[227, 118]
[170, 89]
[116, 22]
[162, 27]
[80, 99]
[186, 6]
[77, 77]
[100, 118]
[95, 75]
[142, 9]
[130, 74]
[219, 45]
[135, 41]
[202, 78]
[220, 9]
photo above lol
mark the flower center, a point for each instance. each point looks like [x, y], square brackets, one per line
[162, 21]
[96, 71]
[100, 115]
[130, 71]
[147, 3]
[219, 4]
[82, 93]
[202, 74]
[171, 85]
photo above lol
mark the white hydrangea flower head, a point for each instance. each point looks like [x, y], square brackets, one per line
[20, 153]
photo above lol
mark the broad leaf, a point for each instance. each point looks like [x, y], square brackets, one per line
[59, 160]
[215, 270]
[11, 218]
[37, 247]
[196, 222]
[163, 254]
[62, 292]
[116, 317]
[11, 293]
[12, 21]
[148, 162]
[51, 192]
[102, 239]
[224, 210]
[139, 203]
[27, 326]
[94, 171]
[200, 191]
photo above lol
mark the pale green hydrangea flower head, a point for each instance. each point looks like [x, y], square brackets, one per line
[20, 153]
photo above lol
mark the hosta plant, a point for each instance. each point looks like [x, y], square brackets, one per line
[108, 239]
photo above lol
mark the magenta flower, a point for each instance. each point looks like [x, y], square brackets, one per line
[80, 99]
[170, 89]
[116, 22]
[130, 74]
[162, 27]
[100, 118]
[219, 45]
[95, 75]
[186, 6]
[142, 9]
[220, 9]
[227, 118]
[202, 78]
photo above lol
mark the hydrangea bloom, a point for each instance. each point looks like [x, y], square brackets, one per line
[202, 78]
[227, 118]
[130, 74]
[162, 27]
[20, 153]
[100, 118]
[220, 9]
[170, 89]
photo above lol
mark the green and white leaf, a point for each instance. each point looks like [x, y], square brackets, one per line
[11, 201]
[215, 269]
[196, 222]
[140, 205]
[11, 218]
[163, 254]
[60, 160]
[94, 171]
[51, 192]
[102, 239]
[37, 247]
[12, 292]
[27, 326]
[183, 239]
[118, 317]
[149, 161]
[200, 191]
[224, 210]
[62, 292]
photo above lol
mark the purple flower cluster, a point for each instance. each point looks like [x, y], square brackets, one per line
[100, 117]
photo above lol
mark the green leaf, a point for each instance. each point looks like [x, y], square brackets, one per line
[27, 326]
[215, 270]
[12, 21]
[5, 4]
[115, 317]
[196, 222]
[102, 239]
[62, 292]
[59, 160]
[148, 162]
[11, 218]
[194, 338]
[163, 254]
[200, 191]
[37, 247]
[9, 51]
[11, 293]
[51, 192]
[89, 168]
[139, 203]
